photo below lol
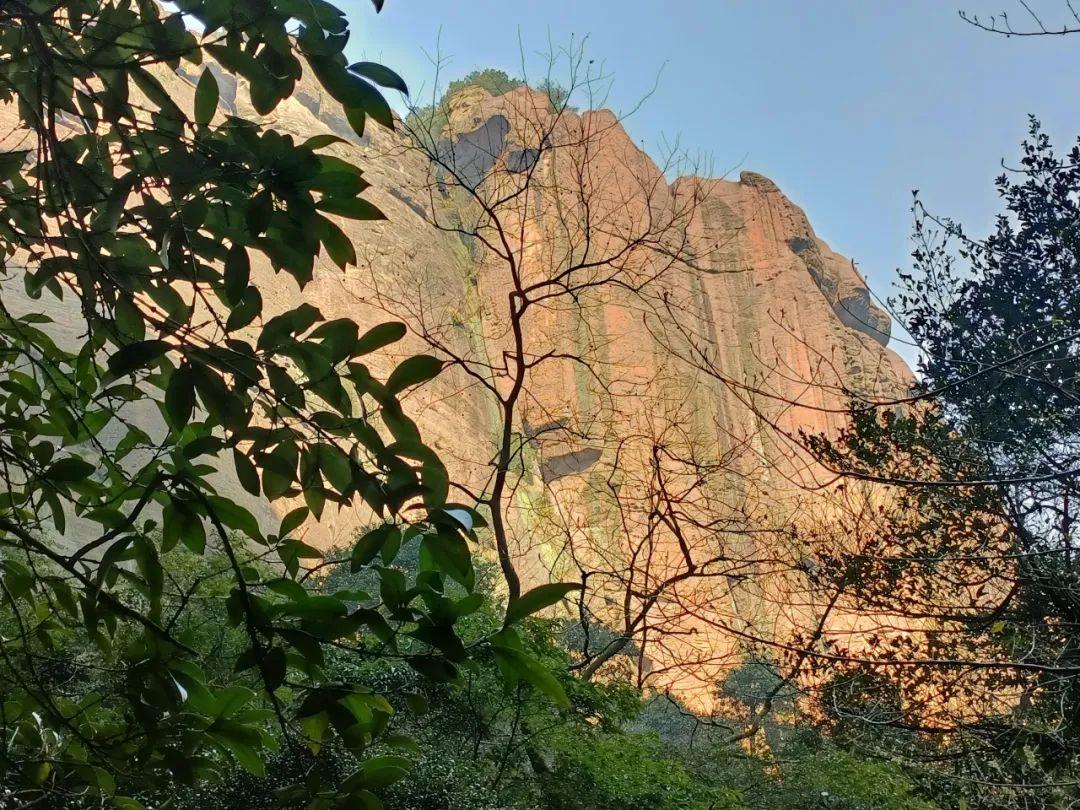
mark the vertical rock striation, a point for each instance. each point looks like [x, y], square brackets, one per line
[765, 335]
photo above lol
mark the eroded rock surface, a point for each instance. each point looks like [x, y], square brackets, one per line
[787, 325]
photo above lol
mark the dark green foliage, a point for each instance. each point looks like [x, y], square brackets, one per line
[497, 82]
[997, 316]
[831, 779]
[121, 675]
[477, 743]
[485, 744]
[626, 771]
[988, 459]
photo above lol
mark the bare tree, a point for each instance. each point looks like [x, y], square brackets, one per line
[1034, 24]
[565, 220]
[685, 525]
[963, 577]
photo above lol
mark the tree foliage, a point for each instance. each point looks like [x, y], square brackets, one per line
[983, 462]
[143, 220]
[432, 119]
[484, 745]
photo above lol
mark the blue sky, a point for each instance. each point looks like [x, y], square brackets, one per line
[847, 104]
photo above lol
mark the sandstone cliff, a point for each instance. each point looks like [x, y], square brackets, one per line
[787, 323]
[731, 328]
[683, 334]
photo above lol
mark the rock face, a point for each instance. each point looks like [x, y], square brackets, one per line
[786, 310]
[720, 355]
[763, 335]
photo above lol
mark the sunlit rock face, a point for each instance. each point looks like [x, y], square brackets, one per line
[724, 358]
[787, 326]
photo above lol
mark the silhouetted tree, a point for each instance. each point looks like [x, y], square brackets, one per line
[986, 454]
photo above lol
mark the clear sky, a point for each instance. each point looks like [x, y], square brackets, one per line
[847, 104]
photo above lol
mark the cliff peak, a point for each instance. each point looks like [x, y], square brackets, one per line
[783, 237]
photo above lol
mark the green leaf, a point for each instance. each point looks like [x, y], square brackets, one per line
[377, 773]
[235, 516]
[153, 89]
[249, 308]
[413, 371]
[516, 665]
[537, 599]
[352, 91]
[45, 276]
[68, 470]
[357, 119]
[293, 521]
[181, 524]
[337, 177]
[166, 297]
[380, 336]
[315, 498]
[259, 212]
[315, 728]
[129, 319]
[17, 578]
[316, 607]
[338, 184]
[232, 699]
[369, 546]
[246, 472]
[206, 97]
[11, 163]
[436, 481]
[291, 551]
[350, 207]
[336, 466]
[103, 780]
[279, 470]
[246, 755]
[293, 322]
[180, 397]
[337, 244]
[237, 274]
[449, 553]
[108, 217]
[226, 406]
[381, 75]
[321, 141]
[149, 563]
[338, 337]
[135, 356]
